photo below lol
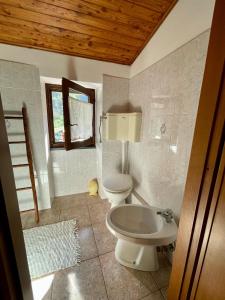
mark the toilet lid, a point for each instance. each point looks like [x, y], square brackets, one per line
[118, 183]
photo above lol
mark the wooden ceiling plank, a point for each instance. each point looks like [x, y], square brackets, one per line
[74, 36]
[100, 12]
[111, 30]
[15, 42]
[22, 14]
[36, 40]
[96, 47]
[128, 8]
[65, 14]
[157, 5]
[106, 13]
[172, 4]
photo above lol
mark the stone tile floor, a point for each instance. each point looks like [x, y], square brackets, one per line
[99, 276]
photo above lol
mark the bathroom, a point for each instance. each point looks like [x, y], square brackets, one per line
[160, 88]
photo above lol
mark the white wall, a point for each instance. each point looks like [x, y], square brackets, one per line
[167, 93]
[187, 20]
[20, 83]
[58, 65]
[115, 99]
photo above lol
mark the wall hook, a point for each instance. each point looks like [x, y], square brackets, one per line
[163, 128]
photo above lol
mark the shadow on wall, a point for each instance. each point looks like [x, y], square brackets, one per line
[119, 108]
[137, 178]
[132, 108]
[71, 69]
[125, 108]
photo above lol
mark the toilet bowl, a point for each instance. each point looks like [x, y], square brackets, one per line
[139, 230]
[117, 188]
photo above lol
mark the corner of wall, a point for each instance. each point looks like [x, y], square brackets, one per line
[195, 17]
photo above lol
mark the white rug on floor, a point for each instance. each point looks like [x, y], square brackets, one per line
[52, 247]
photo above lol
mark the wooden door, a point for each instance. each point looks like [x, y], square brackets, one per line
[190, 277]
[209, 283]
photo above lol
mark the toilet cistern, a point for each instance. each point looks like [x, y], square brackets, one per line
[124, 127]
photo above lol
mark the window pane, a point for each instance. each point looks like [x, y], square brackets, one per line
[58, 121]
[78, 96]
[81, 116]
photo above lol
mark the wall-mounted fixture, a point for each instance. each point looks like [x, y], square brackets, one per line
[102, 118]
[123, 126]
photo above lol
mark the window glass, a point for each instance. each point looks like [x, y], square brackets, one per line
[58, 120]
[78, 114]
[81, 116]
[78, 96]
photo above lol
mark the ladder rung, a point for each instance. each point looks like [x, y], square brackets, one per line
[17, 142]
[24, 118]
[24, 188]
[20, 165]
[27, 210]
[13, 117]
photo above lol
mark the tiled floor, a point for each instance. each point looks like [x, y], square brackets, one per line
[99, 276]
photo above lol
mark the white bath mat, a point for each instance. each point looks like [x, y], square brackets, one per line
[52, 247]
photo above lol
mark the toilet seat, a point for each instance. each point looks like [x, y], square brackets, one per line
[118, 183]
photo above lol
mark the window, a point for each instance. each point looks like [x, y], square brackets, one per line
[71, 115]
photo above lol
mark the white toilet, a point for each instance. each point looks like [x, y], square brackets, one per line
[139, 230]
[117, 188]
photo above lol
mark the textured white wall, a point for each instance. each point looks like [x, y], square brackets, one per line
[115, 99]
[20, 83]
[167, 93]
[187, 20]
[72, 170]
[58, 65]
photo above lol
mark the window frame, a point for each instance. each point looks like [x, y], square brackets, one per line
[49, 88]
[66, 85]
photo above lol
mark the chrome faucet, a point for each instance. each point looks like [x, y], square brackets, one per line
[167, 214]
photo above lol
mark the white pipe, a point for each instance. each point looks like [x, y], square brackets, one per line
[124, 156]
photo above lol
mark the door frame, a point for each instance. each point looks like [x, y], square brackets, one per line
[203, 164]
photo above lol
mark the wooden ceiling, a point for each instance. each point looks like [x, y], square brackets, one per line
[109, 30]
